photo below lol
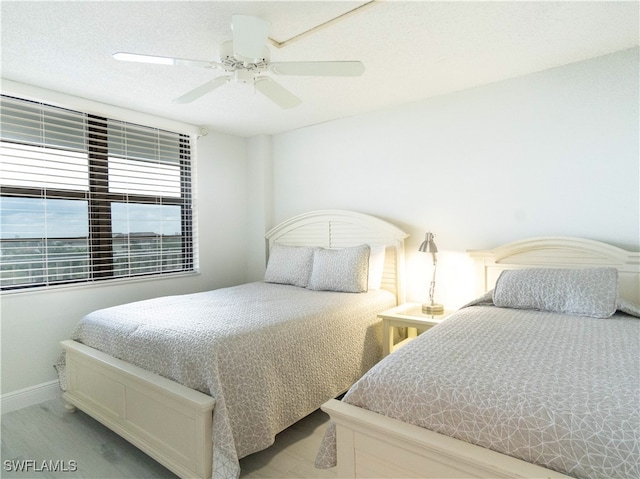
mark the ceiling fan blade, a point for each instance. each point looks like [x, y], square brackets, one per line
[249, 36]
[139, 58]
[338, 69]
[202, 90]
[276, 93]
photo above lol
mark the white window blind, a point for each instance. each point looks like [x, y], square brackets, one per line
[87, 198]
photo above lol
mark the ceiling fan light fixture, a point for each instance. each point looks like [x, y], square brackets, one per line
[243, 76]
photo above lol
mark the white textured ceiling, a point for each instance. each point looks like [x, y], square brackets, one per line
[411, 50]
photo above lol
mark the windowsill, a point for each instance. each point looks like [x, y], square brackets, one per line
[98, 284]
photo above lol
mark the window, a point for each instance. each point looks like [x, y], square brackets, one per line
[87, 198]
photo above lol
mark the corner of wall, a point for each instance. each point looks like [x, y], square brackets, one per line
[259, 201]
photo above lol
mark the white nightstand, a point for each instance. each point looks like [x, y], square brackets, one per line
[410, 316]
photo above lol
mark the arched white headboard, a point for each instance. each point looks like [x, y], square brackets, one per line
[559, 252]
[341, 229]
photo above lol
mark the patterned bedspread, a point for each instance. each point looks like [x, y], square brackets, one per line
[269, 354]
[555, 390]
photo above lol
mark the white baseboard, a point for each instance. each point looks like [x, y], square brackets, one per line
[29, 396]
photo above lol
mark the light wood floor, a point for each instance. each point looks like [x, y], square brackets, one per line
[47, 432]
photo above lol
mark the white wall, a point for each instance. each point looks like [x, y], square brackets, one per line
[553, 153]
[33, 322]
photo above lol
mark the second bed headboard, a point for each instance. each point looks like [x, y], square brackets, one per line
[559, 252]
[341, 229]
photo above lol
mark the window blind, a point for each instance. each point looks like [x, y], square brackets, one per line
[86, 198]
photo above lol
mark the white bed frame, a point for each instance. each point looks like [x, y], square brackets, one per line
[375, 446]
[171, 422]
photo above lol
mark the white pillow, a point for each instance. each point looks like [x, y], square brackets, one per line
[585, 292]
[289, 265]
[376, 265]
[345, 270]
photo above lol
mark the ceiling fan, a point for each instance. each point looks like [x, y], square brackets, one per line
[245, 59]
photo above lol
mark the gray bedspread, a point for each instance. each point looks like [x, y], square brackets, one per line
[555, 390]
[269, 354]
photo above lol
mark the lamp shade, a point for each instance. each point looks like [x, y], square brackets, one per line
[428, 245]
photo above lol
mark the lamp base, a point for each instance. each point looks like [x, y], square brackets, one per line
[432, 309]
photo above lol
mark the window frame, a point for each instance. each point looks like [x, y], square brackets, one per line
[101, 260]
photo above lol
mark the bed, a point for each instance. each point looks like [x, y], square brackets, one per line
[198, 381]
[522, 389]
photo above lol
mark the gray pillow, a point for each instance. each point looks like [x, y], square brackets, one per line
[628, 307]
[585, 292]
[345, 270]
[289, 265]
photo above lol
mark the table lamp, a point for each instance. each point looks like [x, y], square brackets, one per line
[429, 246]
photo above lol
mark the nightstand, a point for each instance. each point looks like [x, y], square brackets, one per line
[410, 316]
